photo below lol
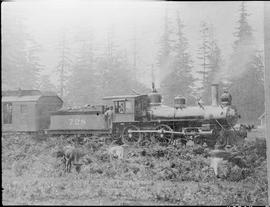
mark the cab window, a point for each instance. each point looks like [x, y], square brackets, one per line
[128, 107]
[119, 107]
[122, 107]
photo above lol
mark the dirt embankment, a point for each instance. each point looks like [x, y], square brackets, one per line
[156, 175]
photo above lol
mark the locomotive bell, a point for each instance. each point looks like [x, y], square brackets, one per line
[179, 102]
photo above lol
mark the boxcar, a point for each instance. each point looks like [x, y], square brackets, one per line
[28, 110]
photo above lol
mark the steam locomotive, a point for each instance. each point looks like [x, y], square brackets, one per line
[140, 119]
[144, 119]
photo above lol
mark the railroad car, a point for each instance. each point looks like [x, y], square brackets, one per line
[28, 110]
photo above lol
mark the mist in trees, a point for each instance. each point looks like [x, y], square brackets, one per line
[91, 60]
[20, 54]
[179, 78]
[45, 83]
[64, 64]
[247, 83]
[95, 75]
[83, 83]
[210, 59]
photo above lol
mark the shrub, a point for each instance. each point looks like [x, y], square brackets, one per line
[19, 168]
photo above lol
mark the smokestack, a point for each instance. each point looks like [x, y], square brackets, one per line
[214, 90]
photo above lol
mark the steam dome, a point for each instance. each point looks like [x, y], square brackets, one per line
[179, 102]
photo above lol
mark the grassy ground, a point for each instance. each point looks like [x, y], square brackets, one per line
[32, 175]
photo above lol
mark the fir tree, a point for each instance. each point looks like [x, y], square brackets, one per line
[83, 82]
[64, 64]
[179, 80]
[211, 61]
[45, 84]
[247, 89]
[20, 58]
[164, 43]
[204, 53]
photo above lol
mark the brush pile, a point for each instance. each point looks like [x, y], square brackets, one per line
[40, 174]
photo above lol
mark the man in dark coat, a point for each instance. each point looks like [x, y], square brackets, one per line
[226, 97]
[109, 118]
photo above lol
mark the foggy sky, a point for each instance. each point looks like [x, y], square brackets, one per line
[46, 19]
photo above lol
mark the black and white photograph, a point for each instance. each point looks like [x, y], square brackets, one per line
[135, 102]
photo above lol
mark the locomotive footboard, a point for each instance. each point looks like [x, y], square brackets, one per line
[76, 132]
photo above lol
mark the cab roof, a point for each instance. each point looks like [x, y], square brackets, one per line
[122, 97]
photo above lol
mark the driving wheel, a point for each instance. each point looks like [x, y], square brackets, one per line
[131, 138]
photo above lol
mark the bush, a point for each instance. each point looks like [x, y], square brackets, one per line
[19, 168]
[166, 167]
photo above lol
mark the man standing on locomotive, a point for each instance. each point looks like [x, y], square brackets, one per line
[109, 118]
[226, 97]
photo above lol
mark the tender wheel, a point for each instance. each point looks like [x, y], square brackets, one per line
[164, 138]
[131, 138]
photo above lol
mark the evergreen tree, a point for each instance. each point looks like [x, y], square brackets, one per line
[45, 84]
[204, 53]
[165, 43]
[211, 61]
[164, 58]
[64, 64]
[244, 30]
[215, 64]
[20, 62]
[33, 57]
[179, 80]
[247, 90]
[83, 83]
[134, 48]
[118, 74]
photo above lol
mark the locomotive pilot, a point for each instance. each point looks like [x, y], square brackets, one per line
[109, 118]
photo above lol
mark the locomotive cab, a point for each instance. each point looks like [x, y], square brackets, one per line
[129, 108]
